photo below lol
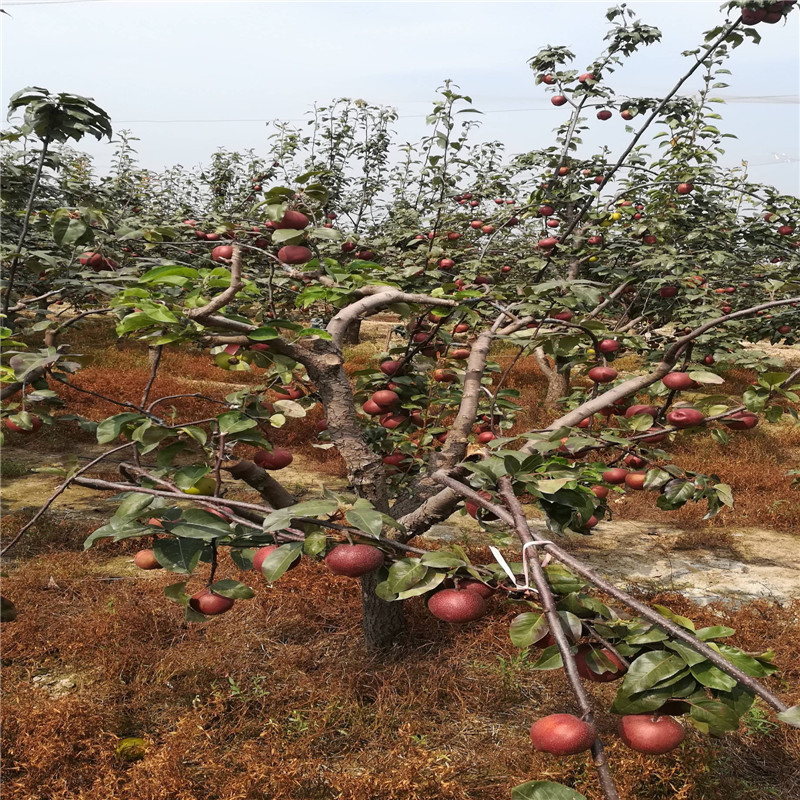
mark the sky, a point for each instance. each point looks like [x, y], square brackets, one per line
[187, 77]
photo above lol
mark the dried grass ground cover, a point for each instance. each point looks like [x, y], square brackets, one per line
[279, 700]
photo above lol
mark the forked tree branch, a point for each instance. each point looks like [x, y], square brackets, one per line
[557, 632]
[577, 566]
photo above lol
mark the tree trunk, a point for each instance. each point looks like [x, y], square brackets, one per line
[557, 387]
[353, 333]
[383, 623]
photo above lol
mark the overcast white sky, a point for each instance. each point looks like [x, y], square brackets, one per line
[235, 65]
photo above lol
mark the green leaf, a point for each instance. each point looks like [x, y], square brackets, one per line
[315, 543]
[171, 274]
[405, 573]
[549, 659]
[750, 666]
[701, 376]
[719, 717]
[177, 554]
[684, 622]
[110, 428]
[195, 523]
[442, 559]
[278, 561]
[791, 716]
[544, 790]
[243, 557]
[364, 517]
[651, 668]
[232, 589]
[561, 580]
[234, 422]
[714, 632]
[711, 676]
[428, 583]
[177, 592]
[311, 508]
[263, 334]
[68, 232]
[527, 628]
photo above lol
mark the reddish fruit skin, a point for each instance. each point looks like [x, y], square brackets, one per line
[36, 423]
[600, 491]
[460, 354]
[395, 459]
[685, 418]
[289, 393]
[604, 114]
[634, 462]
[386, 398]
[668, 291]
[784, 329]
[563, 316]
[457, 605]
[259, 347]
[209, 603]
[684, 188]
[548, 79]
[741, 421]
[372, 408]
[656, 435]
[446, 263]
[708, 360]
[295, 254]
[348, 247]
[444, 376]
[602, 374]
[634, 410]
[473, 509]
[677, 380]
[354, 560]
[277, 459]
[486, 437]
[261, 555]
[222, 253]
[635, 480]
[785, 230]
[652, 735]
[558, 100]
[392, 421]
[562, 735]
[615, 475]
[604, 677]
[608, 346]
[625, 114]
[390, 367]
[595, 241]
[292, 220]
[146, 559]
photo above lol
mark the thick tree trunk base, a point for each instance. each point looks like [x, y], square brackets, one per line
[384, 623]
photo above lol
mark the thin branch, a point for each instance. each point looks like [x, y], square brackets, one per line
[60, 490]
[577, 566]
[557, 632]
[203, 313]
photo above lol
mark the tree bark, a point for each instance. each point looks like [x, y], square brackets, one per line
[353, 333]
[383, 622]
